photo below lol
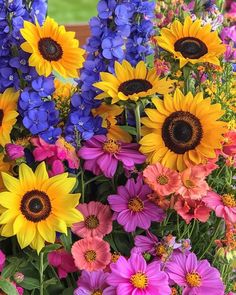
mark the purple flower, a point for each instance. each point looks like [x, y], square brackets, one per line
[196, 277]
[102, 155]
[2, 260]
[92, 282]
[134, 276]
[132, 206]
[14, 151]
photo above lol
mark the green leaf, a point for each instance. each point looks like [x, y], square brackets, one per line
[129, 129]
[68, 291]
[9, 270]
[30, 283]
[49, 248]
[49, 282]
[8, 287]
[66, 240]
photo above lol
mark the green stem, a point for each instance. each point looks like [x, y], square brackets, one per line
[92, 179]
[178, 228]
[187, 80]
[193, 226]
[138, 123]
[82, 186]
[212, 239]
[41, 290]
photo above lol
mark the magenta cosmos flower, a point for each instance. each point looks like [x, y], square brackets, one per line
[102, 155]
[134, 276]
[94, 282]
[132, 206]
[196, 277]
[97, 220]
[224, 206]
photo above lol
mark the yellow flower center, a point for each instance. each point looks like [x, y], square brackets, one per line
[193, 279]
[174, 291]
[162, 179]
[90, 255]
[160, 250]
[66, 144]
[91, 222]
[229, 200]
[139, 280]
[111, 146]
[189, 184]
[114, 257]
[136, 204]
[97, 292]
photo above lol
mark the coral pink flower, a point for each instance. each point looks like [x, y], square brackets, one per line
[63, 261]
[91, 254]
[229, 147]
[162, 180]
[192, 209]
[97, 220]
[224, 206]
[193, 185]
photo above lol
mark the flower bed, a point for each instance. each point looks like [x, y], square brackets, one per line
[118, 159]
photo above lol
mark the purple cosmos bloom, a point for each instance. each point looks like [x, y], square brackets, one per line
[134, 276]
[92, 282]
[102, 155]
[132, 206]
[196, 277]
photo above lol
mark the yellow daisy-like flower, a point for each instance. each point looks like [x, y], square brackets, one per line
[52, 48]
[191, 42]
[4, 166]
[182, 131]
[8, 114]
[37, 206]
[131, 83]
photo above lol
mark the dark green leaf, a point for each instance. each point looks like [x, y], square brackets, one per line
[30, 283]
[7, 287]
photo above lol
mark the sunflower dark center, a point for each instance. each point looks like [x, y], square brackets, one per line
[50, 49]
[35, 206]
[181, 132]
[1, 117]
[191, 47]
[134, 86]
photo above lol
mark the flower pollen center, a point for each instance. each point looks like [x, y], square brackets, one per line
[1, 116]
[193, 279]
[160, 250]
[91, 222]
[162, 179]
[139, 280]
[136, 205]
[111, 146]
[90, 255]
[189, 183]
[50, 49]
[134, 86]
[174, 291]
[229, 200]
[97, 292]
[191, 47]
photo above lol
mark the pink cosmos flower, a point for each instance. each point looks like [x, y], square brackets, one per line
[162, 180]
[63, 261]
[14, 151]
[55, 154]
[102, 155]
[196, 277]
[132, 206]
[97, 220]
[192, 209]
[224, 206]
[193, 185]
[94, 283]
[91, 254]
[134, 276]
[2, 260]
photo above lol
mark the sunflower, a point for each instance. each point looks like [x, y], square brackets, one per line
[8, 114]
[182, 130]
[131, 83]
[191, 42]
[37, 206]
[52, 48]
[4, 166]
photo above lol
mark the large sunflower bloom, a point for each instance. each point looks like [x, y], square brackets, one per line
[182, 130]
[131, 83]
[191, 42]
[8, 114]
[37, 206]
[52, 48]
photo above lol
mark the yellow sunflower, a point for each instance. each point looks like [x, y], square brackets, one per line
[8, 114]
[4, 166]
[37, 206]
[52, 48]
[182, 131]
[191, 42]
[131, 83]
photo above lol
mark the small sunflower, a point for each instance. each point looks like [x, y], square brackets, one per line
[131, 83]
[8, 114]
[191, 42]
[4, 166]
[182, 131]
[37, 206]
[52, 48]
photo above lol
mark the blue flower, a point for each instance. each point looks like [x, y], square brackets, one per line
[105, 8]
[112, 47]
[44, 86]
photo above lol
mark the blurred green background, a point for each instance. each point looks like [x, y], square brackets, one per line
[72, 11]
